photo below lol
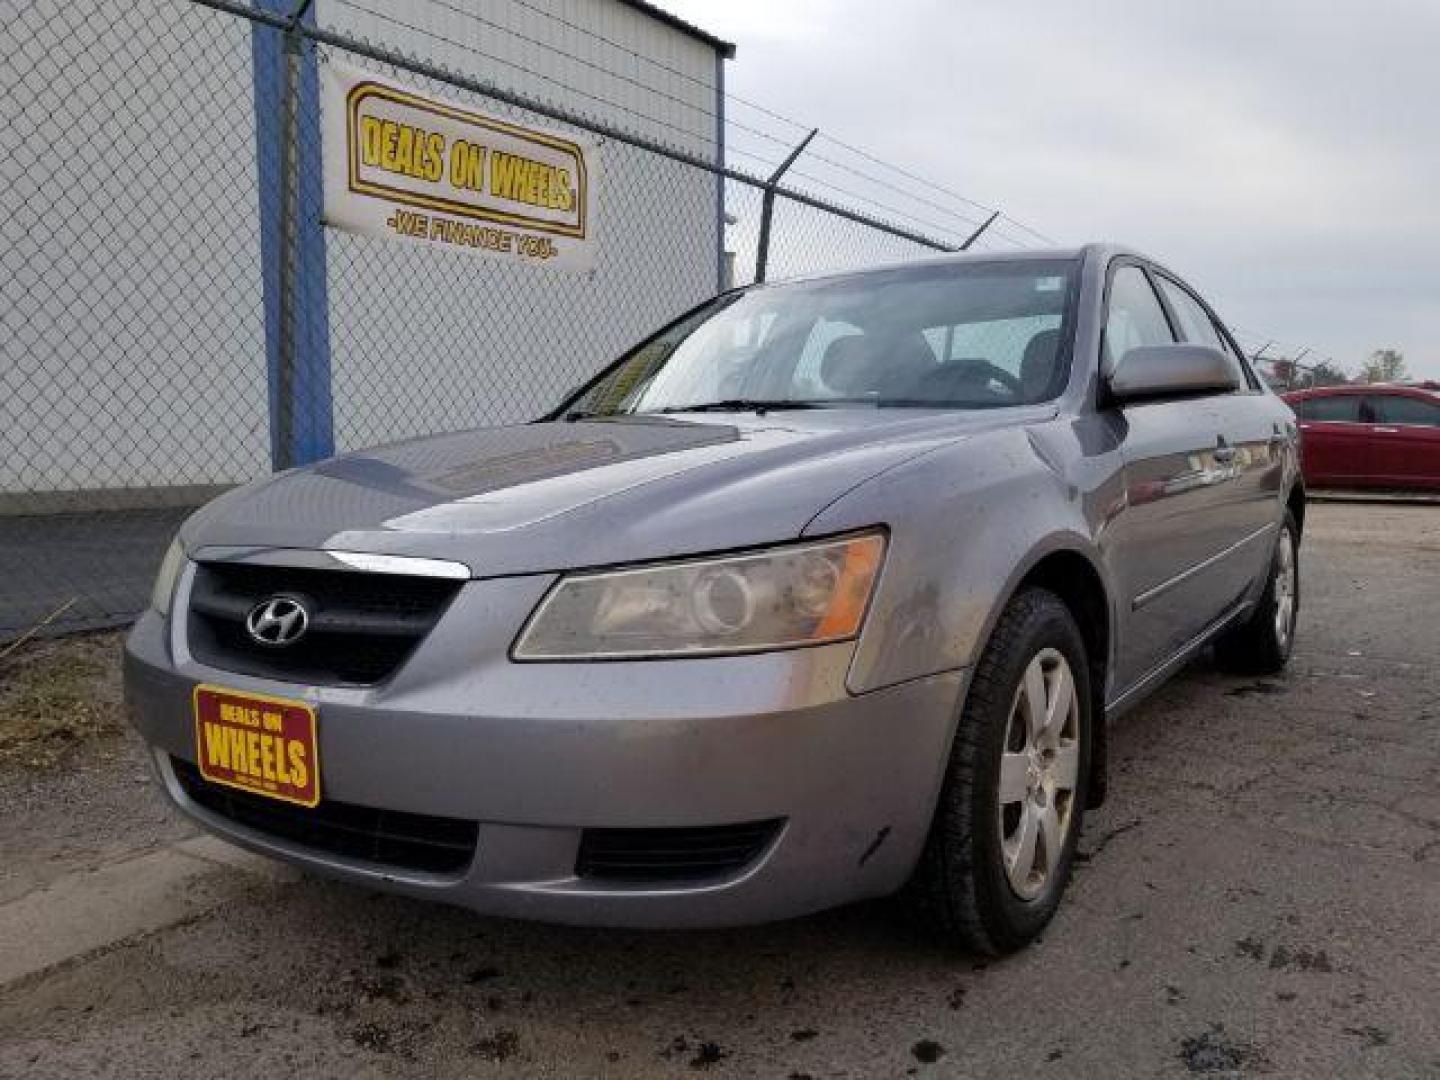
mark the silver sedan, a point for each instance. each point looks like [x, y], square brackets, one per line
[826, 591]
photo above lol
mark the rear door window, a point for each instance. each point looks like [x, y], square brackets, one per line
[1401, 409]
[1196, 326]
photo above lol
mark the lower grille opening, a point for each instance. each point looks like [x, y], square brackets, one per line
[420, 842]
[637, 855]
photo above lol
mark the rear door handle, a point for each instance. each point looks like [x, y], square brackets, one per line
[1387, 431]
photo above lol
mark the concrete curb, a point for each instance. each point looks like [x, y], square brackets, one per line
[93, 909]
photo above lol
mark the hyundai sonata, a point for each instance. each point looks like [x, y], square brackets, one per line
[828, 590]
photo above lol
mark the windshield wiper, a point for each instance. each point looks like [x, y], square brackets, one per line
[760, 406]
[755, 405]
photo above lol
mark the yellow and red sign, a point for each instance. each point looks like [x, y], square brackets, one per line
[259, 744]
[407, 165]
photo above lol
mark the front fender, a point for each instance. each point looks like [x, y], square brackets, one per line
[967, 524]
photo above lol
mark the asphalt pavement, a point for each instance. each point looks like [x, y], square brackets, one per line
[95, 569]
[1260, 896]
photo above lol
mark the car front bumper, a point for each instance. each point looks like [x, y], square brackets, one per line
[537, 753]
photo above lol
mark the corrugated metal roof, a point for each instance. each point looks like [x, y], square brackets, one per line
[720, 45]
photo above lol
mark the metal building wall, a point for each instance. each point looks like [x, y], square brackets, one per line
[454, 340]
[134, 347]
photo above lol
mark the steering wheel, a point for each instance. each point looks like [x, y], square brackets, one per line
[977, 374]
[987, 371]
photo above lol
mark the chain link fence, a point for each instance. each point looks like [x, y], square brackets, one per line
[176, 319]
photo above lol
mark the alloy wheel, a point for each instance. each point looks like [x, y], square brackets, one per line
[1285, 589]
[1039, 773]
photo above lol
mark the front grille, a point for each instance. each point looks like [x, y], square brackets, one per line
[437, 845]
[362, 625]
[635, 855]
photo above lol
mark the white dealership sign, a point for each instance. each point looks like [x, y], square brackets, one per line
[425, 170]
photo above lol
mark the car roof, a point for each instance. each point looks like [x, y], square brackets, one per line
[1419, 390]
[1102, 251]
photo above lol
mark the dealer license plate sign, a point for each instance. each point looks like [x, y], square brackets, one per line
[263, 745]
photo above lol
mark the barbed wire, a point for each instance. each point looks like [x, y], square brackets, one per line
[1004, 226]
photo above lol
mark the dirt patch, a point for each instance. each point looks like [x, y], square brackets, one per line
[76, 787]
[498, 1047]
[1211, 1052]
[927, 1051]
[56, 696]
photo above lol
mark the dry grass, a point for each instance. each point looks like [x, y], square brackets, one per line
[56, 696]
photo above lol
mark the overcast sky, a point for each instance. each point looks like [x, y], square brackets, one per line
[1284, 155]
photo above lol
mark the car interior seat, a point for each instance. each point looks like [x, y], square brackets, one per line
[864, 365]
[1037, 367]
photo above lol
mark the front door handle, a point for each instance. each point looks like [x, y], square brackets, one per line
[1387, 431]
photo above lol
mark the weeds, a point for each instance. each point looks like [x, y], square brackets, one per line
[57, 695]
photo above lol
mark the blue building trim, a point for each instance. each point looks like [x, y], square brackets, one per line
[267, 50]
[315, 437]
[309, 434]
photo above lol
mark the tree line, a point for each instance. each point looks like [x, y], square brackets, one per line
[1382, 366]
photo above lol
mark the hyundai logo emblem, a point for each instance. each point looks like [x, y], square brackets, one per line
[280, 620]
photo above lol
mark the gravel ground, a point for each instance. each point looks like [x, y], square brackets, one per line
[1260, 896]
[75, 786]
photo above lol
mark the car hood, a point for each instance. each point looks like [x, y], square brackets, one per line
[551, 496]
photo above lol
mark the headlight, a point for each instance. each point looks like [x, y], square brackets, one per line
[802, 594]
[165, 580]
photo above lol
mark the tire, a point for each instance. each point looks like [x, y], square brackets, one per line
[1261, 645]
[971, 887]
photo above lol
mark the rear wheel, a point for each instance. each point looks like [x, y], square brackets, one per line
[1003, 838]
[1262, 644]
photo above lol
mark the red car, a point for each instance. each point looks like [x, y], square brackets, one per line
[1383, 436]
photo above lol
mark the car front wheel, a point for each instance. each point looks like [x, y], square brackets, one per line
[1003, 838]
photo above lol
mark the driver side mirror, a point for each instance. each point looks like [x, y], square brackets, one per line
[1176, 370]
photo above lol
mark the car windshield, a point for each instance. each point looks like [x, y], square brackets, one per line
[959, 336]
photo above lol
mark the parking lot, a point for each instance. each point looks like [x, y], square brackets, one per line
[1261, 895]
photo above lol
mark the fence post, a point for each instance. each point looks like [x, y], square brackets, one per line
[722, 276]
[767, 206]
[1295, 366]
[979, 232]
[292, 239]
